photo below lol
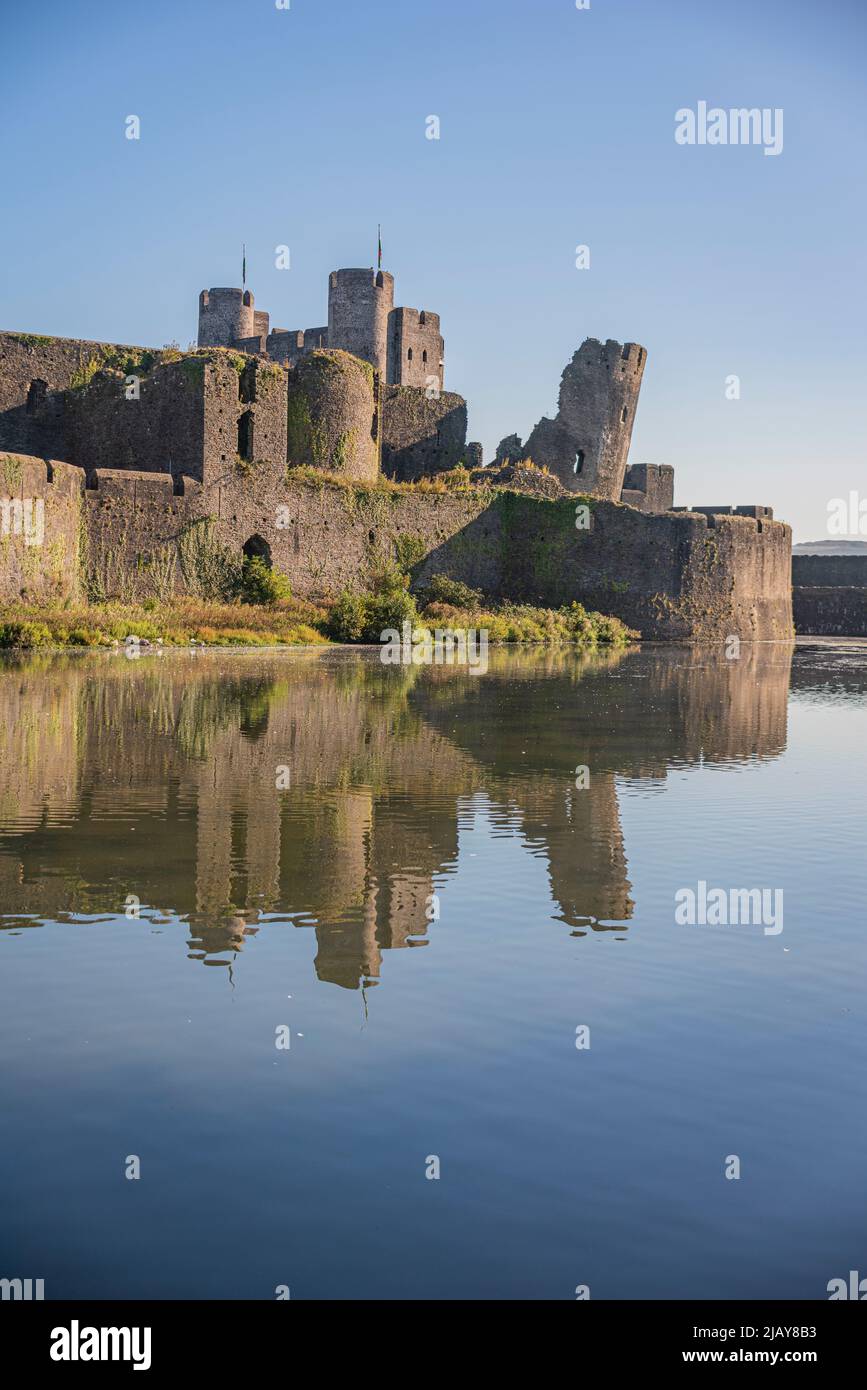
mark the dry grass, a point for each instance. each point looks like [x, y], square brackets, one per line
[175, 623]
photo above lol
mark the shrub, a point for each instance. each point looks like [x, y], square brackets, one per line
[456, 479]
[24, 635]
[260, 584]
[348, 617]
[443, 589]
[364, 616]
[390, 609]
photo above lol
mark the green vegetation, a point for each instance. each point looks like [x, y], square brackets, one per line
[355, 616]
[521, 622]
[298, 424]
[25, 634]
[344, 450]
[443, 589]
[363, 615]
[175, 624]
[453, 480]
[410, 551]
[261, 584]
[209, 568]
[10, 471]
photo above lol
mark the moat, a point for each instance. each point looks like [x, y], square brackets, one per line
[286, 927]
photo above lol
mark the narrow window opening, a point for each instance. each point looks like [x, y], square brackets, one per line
[247, 384]
[578, 465]
[624, 414]
[409, 355]
[36, 394]
[245, 436]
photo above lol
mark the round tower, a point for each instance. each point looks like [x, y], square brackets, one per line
[225, 315]
[332, 418]
[359, 303]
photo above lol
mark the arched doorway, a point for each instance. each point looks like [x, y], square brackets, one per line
[257, 548]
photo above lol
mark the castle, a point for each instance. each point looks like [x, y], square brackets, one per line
[121, 466]
[403, 345]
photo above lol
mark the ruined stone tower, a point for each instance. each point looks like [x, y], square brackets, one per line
[359, 305]
[586, 446]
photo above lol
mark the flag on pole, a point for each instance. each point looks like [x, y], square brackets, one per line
[379, 247]
[244, 266]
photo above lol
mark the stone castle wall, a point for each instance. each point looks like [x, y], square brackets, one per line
[649, 487]
[830, 611]
[194, 415]
[674, 576]
[198, 458]
[830, 595]
[159, 431]
[40, 529]
[830, 571]
[35, 374]
[422, 435]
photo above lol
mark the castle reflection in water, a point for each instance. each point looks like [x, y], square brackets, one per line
[157, 778]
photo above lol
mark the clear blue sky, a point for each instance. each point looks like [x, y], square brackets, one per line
[307, 127]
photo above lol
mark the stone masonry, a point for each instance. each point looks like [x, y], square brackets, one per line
[123, 466]
[403, 345]
[587, 444]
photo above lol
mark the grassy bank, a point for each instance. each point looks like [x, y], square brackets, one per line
[174, 624]
[355, 616]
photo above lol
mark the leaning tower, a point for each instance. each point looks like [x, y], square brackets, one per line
[586, 446]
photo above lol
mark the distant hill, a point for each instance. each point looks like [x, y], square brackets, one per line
[835, 547]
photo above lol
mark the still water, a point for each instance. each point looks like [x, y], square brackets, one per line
[426, 910]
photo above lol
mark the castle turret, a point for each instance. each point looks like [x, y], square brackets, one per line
[333, 419]
[226, 316]
[359, 305]
[415, 349]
